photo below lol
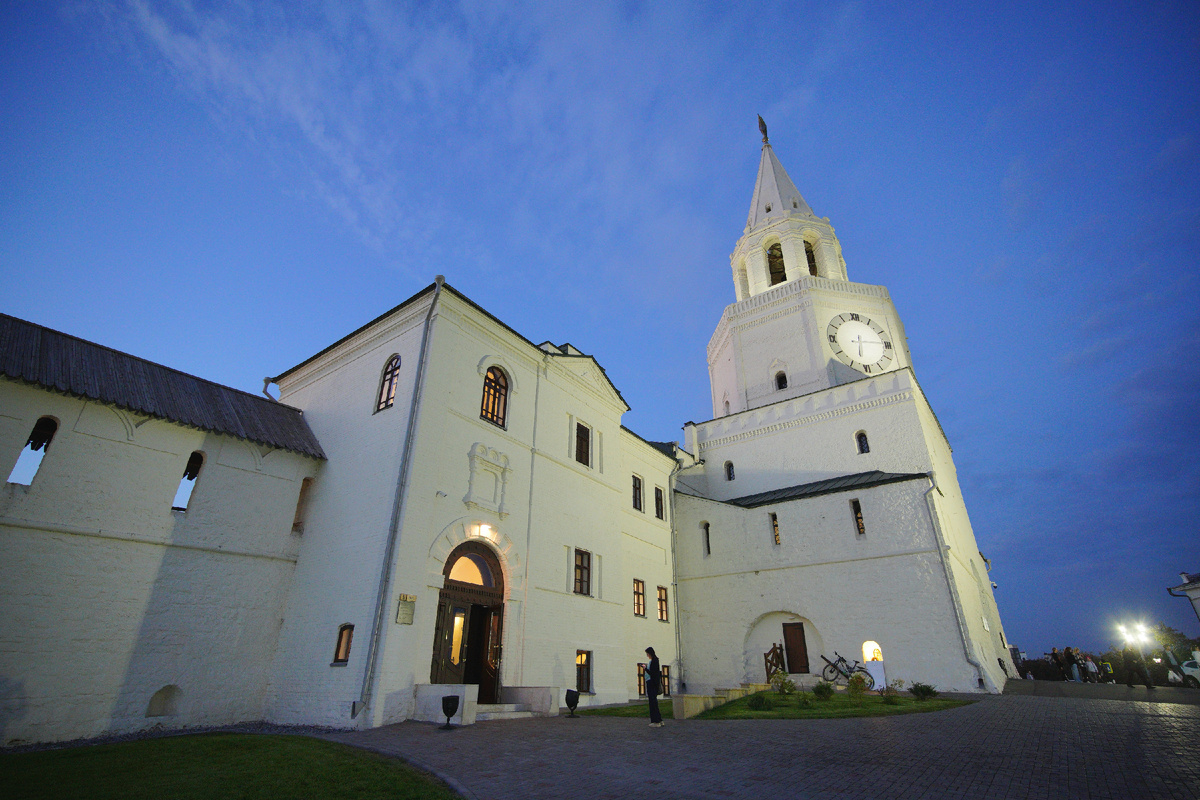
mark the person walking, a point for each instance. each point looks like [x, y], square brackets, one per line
[654, 688]
[1057, 660]
[1135, 665]
[1072, 663]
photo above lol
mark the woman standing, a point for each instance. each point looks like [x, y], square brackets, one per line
[653, 687]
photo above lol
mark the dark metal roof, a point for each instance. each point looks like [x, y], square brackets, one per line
[74, 366]
[846, 483]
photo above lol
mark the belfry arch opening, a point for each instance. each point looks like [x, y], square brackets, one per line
[468, 632]
[811, 257]
[775, 264]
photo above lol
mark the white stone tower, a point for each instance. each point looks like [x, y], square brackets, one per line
[800, 324]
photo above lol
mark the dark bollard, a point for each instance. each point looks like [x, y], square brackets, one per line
[572, 701]
[449, 708]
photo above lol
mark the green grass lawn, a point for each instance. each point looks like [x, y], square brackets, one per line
[219, 765]
[631, 710]
[836, 707]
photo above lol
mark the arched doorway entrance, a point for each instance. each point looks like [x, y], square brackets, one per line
[470, 621]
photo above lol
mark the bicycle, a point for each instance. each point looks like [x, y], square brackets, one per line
[837, 670]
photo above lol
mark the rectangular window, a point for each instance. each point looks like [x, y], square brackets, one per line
[583, 572]
[707, 541]
[341, 651]
[641, 678]
[583, 671]
[637, 492]
[775, 528]
[856, 509]
[662, 604]
[658, 502]
[665, 690]
[639, 597]
[583, 444]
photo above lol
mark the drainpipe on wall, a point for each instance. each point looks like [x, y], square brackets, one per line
[942, 547]
[674, 572]
[537, 394]
[385, 574]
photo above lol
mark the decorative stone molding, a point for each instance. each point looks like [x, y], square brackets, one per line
[466, 529]
[502, 363]
[488, 481]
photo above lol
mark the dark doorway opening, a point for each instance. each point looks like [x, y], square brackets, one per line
[470, 621]
[795, 647]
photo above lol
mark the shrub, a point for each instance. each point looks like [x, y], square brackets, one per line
[804, 700]
[823, 691]
[759, 702]
[856, 687]
[891, 692]
[783, 684]
[922, 691]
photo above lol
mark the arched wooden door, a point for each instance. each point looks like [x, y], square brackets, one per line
[470, 621]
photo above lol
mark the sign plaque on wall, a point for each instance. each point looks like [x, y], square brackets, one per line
[406, 609]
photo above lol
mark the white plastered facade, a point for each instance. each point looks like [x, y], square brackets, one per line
[111, 596]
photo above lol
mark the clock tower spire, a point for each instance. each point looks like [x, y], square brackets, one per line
[799, 324]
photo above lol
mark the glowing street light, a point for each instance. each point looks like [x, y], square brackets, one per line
[1135, 634]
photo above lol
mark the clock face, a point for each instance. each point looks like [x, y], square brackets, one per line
[859, 342]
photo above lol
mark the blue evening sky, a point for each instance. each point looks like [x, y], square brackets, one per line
[227, 188]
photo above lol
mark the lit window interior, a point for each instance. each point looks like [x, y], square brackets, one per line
[872, 651]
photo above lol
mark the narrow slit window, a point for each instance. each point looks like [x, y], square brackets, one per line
[728, 470]
[707, 540]
[663, 615]
[775, 528]
[637, 493]
[780, 380]
[341, 651]
[856, 510]
[639, 598]
[36, 447]
[495, 396]
[387, 384]
[183, 495]
[301, 505]
[775, 264]
[659, 505]
[812, 258]
[583, 444]
[861, 440]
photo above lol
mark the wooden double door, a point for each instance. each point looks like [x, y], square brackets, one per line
[468, 633]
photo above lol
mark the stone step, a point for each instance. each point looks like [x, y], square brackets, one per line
[490, 711]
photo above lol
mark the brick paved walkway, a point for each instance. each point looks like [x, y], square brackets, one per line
[1008, 746]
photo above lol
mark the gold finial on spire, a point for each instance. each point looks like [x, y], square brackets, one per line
[762, 126]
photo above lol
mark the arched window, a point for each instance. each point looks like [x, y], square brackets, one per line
[860, 439]
[728, 470]
[812, 258]
[780, 380]
[341, 651]
[727, 408]
[36, 447]
[775, 264]
[387, 384]
[872, 651]
[183, 495]
[495, 396]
